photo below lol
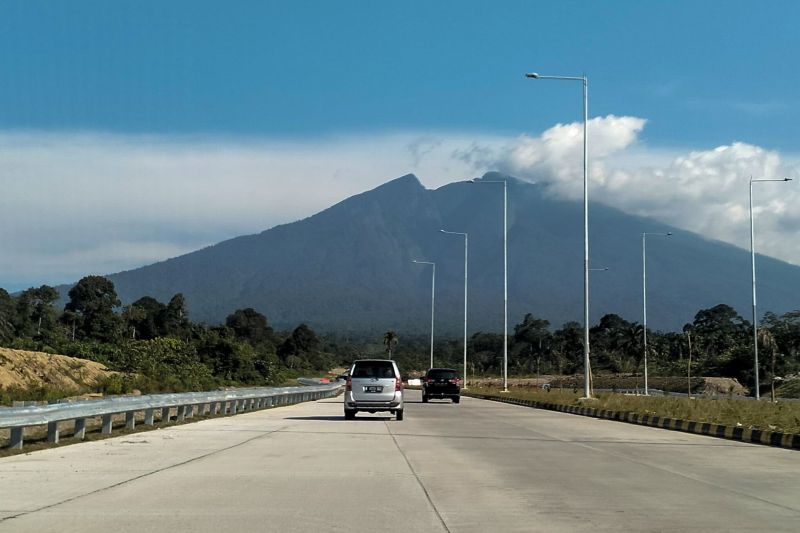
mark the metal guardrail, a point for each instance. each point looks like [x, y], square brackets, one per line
[186, 405]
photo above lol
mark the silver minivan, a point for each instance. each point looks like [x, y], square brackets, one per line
[373, 385]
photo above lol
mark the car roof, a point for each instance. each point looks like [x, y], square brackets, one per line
[448, 369]
[373, 361]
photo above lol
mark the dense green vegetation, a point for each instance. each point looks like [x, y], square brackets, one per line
[155, 345]
[158, 348]
[718, 341]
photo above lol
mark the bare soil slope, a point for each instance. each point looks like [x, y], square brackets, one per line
[22, 369]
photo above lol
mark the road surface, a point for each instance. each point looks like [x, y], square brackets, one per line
[475, 467]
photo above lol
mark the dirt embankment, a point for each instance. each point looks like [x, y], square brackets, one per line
[24, 370]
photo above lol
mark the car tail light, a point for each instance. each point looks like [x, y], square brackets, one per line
[429, 380]
[398, 384]
[349, 386]
[455, 380]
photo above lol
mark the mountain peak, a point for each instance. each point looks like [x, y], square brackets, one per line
[407, 184]
[408, 180]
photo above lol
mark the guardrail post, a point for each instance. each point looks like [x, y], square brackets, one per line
[204, 408]
[233, 407]
[221, 407]
[108, 424]
[52, 432]
[17, 438]
[181, 413]
[149, 416]
[80, 429]
[190, 411]
[165, 415]
[130, 420]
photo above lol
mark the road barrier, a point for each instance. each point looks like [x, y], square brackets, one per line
[185, 405]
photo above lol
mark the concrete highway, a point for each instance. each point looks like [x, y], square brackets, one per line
[475, 467]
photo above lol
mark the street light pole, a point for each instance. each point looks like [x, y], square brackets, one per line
[505, 276]
[644, 302]
[587, 392]
[466, 248]
[753, 263]
[433, 297]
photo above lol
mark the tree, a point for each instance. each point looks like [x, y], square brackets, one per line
[249, 325]
[146, 317]
[722, 337]
[175, 320]
[93, 299]
[767, 341]
[8, 316]
[529, 337]
[568, 345]
[610, 342]
[134, 316]
[390, 340]
[35, 311]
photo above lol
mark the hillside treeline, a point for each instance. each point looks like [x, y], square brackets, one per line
[159, 348]
[719, 341]
[155, 344]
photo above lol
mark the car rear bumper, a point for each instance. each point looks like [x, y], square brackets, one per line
[351, 403]
[441, 392]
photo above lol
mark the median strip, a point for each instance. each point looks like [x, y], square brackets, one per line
[753, 436]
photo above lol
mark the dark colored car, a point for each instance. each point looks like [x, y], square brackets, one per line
[441, 383]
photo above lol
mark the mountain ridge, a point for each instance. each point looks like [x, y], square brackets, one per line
[348, 267]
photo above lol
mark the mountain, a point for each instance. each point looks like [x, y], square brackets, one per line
[349, 267]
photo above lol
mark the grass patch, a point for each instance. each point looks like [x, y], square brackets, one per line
[763, 415]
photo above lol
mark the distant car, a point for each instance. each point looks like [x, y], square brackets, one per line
[441, 383]
[373, 385]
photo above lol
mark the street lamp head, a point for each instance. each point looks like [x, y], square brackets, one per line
[787, 179]
[669, 234]
[533, 75]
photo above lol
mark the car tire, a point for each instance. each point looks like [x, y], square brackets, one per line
[457, 399]
[349, 414]
[424, 399]
[399, 415]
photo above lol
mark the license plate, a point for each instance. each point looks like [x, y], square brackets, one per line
[373, 389]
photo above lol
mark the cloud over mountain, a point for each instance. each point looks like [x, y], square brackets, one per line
[77, 203]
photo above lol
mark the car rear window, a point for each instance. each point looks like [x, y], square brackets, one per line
[442, 374]
[374, 369]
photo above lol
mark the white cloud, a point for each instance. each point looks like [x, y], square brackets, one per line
[705, 191]
[82, 203]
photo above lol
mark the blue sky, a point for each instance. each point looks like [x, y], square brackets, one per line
[131, 132]
[702, 73]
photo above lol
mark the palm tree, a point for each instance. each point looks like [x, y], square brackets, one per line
[390, 340]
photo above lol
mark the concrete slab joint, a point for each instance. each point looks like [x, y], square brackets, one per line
[754, 436]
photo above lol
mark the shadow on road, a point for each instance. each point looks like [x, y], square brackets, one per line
[339, 418]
